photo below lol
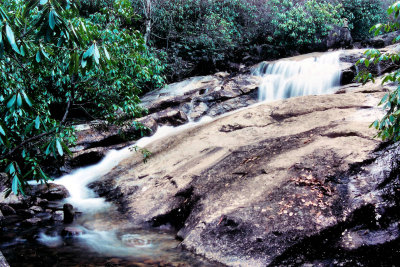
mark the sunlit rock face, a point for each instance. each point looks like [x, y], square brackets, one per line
[245, 188]
[251, 187]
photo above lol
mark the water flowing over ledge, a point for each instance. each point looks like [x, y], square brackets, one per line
[84, 198]
[280, 79]
[290, 78]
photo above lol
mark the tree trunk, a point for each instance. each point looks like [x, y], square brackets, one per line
[147, 15]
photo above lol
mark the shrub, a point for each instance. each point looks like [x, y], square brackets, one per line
[362, 15]
[389, 126]
[53, 62]
[298, 25]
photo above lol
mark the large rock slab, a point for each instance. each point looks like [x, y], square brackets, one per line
[247, 187]
[193, 98]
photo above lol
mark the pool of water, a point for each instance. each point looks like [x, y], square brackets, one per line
[99, 242]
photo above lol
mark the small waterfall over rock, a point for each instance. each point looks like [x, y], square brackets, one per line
[100, 238]
[297, 77]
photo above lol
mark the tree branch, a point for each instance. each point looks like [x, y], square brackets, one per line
[34, 138]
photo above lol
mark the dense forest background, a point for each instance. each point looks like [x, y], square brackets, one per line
[195, 37]
[65, 61]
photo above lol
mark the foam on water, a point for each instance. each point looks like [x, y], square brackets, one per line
[281, 79]
[50, 241]
[289, 78]
[84, 198]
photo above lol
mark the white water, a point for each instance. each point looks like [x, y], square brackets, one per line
[85, 199]
[282, 79]
[289, 78]
[50, 241]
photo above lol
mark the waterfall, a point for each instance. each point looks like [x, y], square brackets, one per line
[281, 79]
[289, 78]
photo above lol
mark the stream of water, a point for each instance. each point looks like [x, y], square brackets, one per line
[107, 237]
[307, 76]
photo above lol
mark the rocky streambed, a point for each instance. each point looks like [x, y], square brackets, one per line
[277, 183]
[299, 181]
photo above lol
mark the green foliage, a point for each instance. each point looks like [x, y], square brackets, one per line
[303, 23]
[362, 15]
[54, 61]
[201, 30]
[389, 126]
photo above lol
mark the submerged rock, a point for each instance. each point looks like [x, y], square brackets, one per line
[58, 215]
[32, 221]
[36, 209]
[71, 231]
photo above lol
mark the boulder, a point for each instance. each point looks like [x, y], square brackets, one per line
[87, 157]
[36, 209]
[176, 94]
[95, 134]
[41, 202]
[50, 191]
[338, 37]
[170, 116]
[32, 222]
[13, 200]
[58, 215]
[149, 122]
[380, 41]
[7, 210]
[258, 183]
[26, 213]
[350, 70]
[68, 212]
[71, 231]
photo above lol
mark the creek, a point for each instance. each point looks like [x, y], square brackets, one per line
[107, 238]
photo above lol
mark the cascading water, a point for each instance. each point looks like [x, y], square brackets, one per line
[280, 79]
[289, 78]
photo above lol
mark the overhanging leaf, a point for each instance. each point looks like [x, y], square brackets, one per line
[106, 53]
[52, 19]
[19, 100]
[37, 122]
[2, 130]
[65, 147]
[96, 54]
[26, 98]
[1, 43]
[38, 57]
[89, 52]
[83, 63]
[11, 101]
[15, 183]
[59, 148]
[11, 38]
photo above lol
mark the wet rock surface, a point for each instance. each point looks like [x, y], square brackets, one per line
[193, 98]
[3, 262]
[49, 191]
[292, 182]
